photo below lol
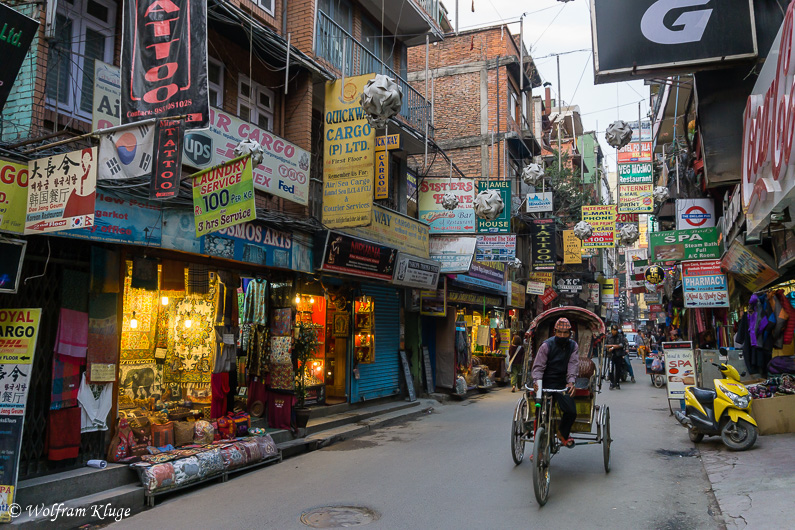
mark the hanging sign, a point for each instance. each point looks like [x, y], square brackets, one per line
[548, 296]
[416, 272]
[572, 248]
[454, 253]
[391, 142]
[498, 247]
[459, 220]
[349, 255]
[62, 190]
[547, 278]
[536, 288]
[168, 159]
[396, 230]
[20, 329]
[704, 284]
[654, 274]
[539, 202]
[16, 33]
[251, 242]
[381, 175]
[680, 368]
[516, 296]
[13, 196]
[348, 155]
[107, 96]
[635, 198]
[570, 285]
[502, 223]
[748, 268]
[489, 275]
[603, 220]
[164, 62]
[635, 152]
[694, 213]
[635, 173]
[543, 243]
[224, 196]
[434, 303]
[686, 245]
[126, 153]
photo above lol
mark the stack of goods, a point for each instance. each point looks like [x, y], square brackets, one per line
[774, 386]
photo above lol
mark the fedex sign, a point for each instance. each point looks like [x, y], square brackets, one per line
[768, 172]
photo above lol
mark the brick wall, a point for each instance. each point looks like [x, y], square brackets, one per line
[301, 23]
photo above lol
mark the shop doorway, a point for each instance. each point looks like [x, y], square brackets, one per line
[336, 343]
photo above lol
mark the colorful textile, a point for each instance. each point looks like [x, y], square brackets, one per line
[198, 279]
[172, 275]
[104, 270]
[258, 352]
[210, 462]
[220, 390]
[282, 322]
[266, 444]
[203, 432]
[144, 273]
[191, 349]
[255, 310]
[281, 366]
[71, 339]
[280, 410]
[103, 332]
[65, 383]
[187, 470]
[63, 434]
[233, 457]
[160, 477]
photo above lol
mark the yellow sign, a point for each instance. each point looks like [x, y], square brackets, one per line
[13, 196]
[395, 230]
[392, 142]
[381, 175]
[643, 240]
[572, 248]
[223, 196]
[348, 156]
[18, 331]
[635, 198]
[545, 277]
[603, 220]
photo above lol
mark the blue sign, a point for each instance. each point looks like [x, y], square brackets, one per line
[252, 242]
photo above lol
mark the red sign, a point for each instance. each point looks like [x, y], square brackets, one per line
[701, 268]
[631, 153]
[627, 218]
[168, 156]
[548, 296]
[692, 211]
[655, 308]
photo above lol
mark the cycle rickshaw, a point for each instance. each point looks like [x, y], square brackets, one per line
[535, 417]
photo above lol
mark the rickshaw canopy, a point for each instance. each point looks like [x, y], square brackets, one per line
[578, 314]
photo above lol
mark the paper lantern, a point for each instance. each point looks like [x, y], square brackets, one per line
[489, 205]
[532, 174]
[515, 264]
[628, 234]
[449, 201]
[618, 134]
[252, 147]
[583, 230]
[660, 194]
[381, 99]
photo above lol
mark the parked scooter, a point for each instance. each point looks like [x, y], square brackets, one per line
[723, 411]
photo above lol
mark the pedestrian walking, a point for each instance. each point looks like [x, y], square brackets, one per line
[516, 361]
[617, 348]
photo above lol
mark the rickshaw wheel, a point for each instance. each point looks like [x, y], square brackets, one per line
[541, 475]
[606, 439]
[659, 381]
[517, 430]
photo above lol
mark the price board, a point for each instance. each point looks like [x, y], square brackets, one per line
[223, 196]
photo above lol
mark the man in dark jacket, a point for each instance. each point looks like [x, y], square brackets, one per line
[616, 347]
[556, 365]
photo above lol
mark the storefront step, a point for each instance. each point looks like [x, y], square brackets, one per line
[97, 508]
[81, 482]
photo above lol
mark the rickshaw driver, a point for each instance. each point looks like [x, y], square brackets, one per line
[557, 365]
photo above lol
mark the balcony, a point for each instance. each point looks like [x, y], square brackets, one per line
[416, 111]
[411, 18]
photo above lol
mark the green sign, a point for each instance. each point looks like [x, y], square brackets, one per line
[502, 224]
[223, 196]
[635, 173]
[686, 245]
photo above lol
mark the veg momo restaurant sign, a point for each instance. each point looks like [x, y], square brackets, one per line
[348, 165]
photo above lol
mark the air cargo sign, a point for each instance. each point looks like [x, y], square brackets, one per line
[635, 173]
[681, 245]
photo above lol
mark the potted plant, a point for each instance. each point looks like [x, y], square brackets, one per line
[305, 344]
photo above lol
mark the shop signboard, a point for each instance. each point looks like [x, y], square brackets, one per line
[61, 192]
[536, 288]
[167, 153]
[516, 295]
[643, 238]
[349, 255]
[656, 308]
[572, 248]
[458, 297]
[544, 253]
[20, 329]
[284, 171]
[381, 175]
[686, 245]
[635, 152]
[608, 292]
[250, 242]
[539, 202]
[164, 62]
[784, 246]
[502, 224]
[680, 368]
[434, 303]
[461, 220]
[748, 268]
[648, 38]
[730, 222]
[549, 295]
[593, 293]
[704, 284]
[13, 196]
[636, 173]
[107, 96]
[17, 33]
[395, 230]
[570, 285]
[347, 156]
[635, 198]
[412, 271]
[694, 213]
[652, 298]
[223, 196]
[488, 275]
[547, 278]
[623, 218]
[497, 247]
[392, 142]
[603, 220]
[455, 253]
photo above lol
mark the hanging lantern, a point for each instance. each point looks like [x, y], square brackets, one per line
[489, 205]
[618, 134]
[660, 194]
[532, 174]
[449, 201]
[583, 230]
[381, 99]
[515, 264]
[655, 275]
[251, 147]
[628, 234]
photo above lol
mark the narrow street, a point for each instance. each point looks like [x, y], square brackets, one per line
[453, 469]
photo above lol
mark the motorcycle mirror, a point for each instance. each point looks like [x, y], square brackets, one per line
[743, 374]
[715, 364]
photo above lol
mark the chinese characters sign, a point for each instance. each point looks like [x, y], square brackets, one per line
[62, 190]
[704, 284]
[603, 221]
[223, 196]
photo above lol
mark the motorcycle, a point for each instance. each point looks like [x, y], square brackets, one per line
[721, 412]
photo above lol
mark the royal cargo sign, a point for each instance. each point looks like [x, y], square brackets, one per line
[686, 245]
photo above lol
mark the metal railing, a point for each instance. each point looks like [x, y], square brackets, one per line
[431, 7]
[416, 110]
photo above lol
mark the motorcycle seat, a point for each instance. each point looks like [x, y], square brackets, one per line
[703, 395]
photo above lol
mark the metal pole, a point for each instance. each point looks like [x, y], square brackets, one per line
[342, 85]
[521, 56]
[456, 18]
[427, 52]
[287, 64]
[560, 115]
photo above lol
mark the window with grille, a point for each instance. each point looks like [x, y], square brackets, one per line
[215, 81]
[84, 32]
[255, 103]
[266, 5]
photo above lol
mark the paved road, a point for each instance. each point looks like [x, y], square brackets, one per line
[453, 469]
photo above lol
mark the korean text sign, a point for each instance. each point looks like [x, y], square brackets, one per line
[224, 196]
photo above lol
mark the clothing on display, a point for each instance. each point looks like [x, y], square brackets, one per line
[95, 403]
[65, 382]
[765, 330]
[63, 434]
[144, 274]
[71, 339]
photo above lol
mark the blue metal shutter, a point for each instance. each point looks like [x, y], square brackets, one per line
[382, 377]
